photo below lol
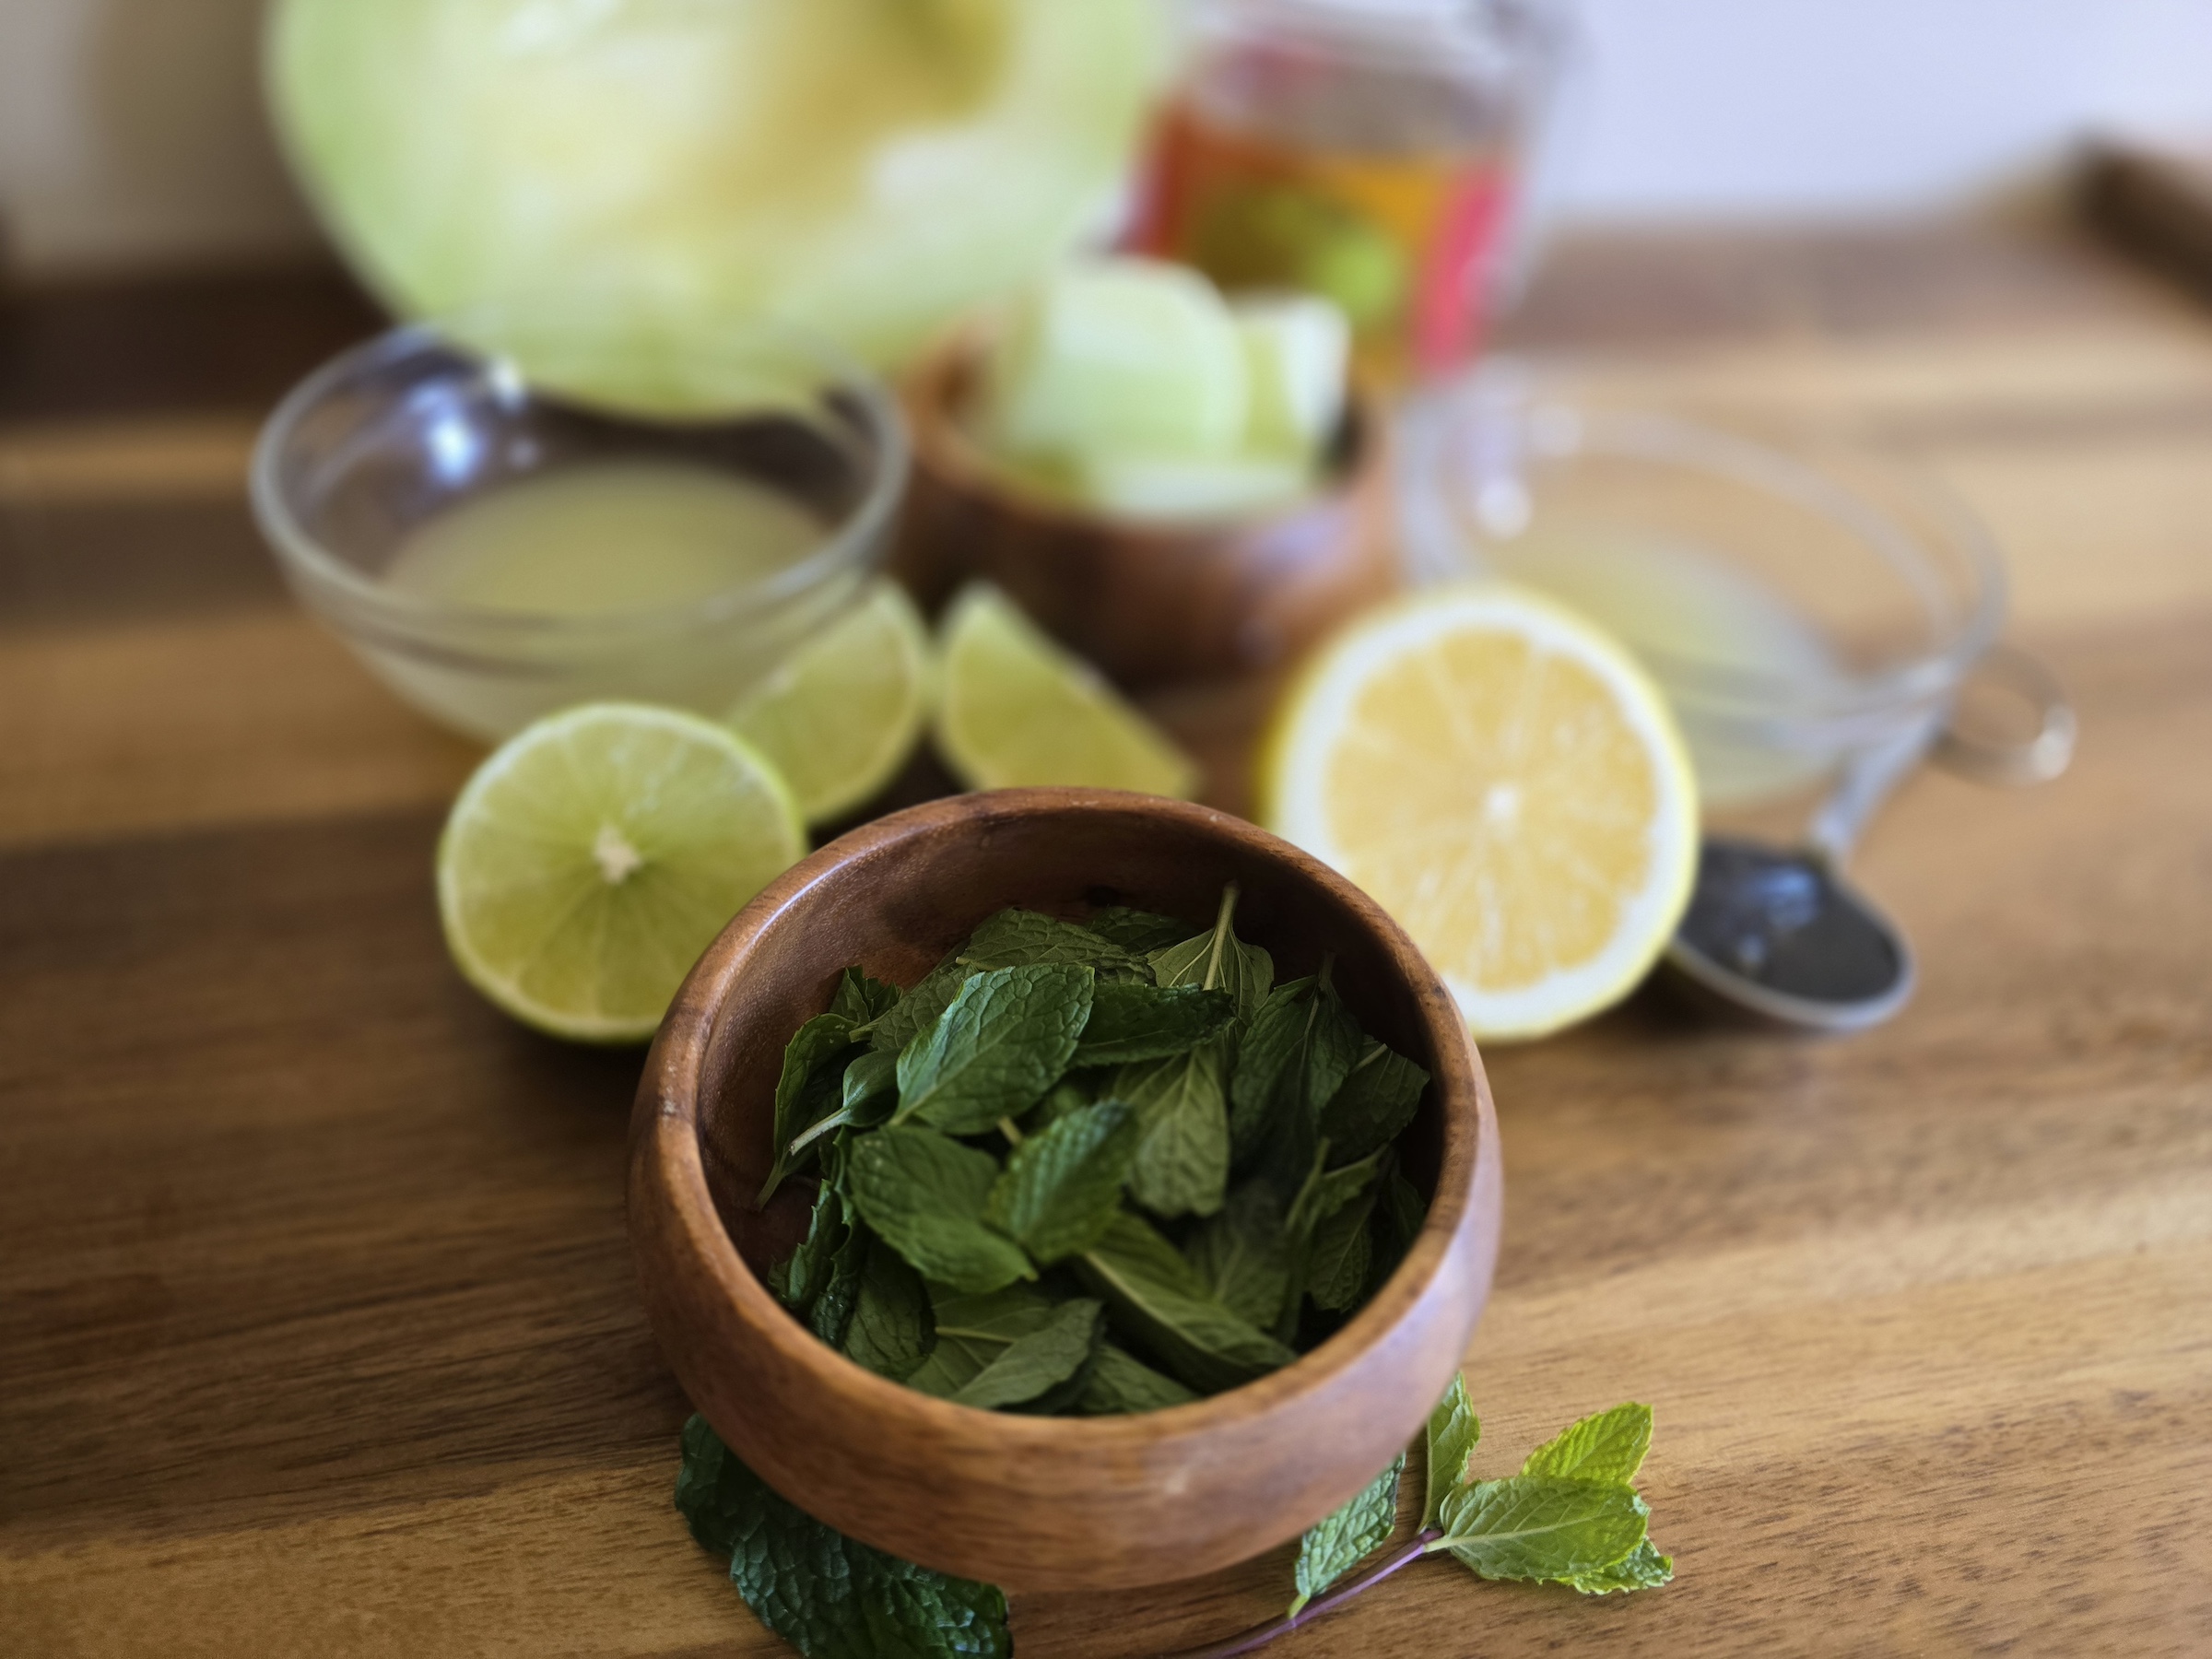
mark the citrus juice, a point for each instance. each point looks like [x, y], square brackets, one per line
[611, 535]
[614, 547]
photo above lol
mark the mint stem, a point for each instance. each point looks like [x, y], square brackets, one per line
[1260, 1635]
[1213, 960]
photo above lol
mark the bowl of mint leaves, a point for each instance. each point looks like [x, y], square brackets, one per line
[1055, 1188]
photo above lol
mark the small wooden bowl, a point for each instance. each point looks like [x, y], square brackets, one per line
[1033, 1503]
[1151, 604]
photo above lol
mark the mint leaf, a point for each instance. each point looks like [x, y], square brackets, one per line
[917, 1010]
[1182, 1164]
[1337, 1542]
[1541, 1526]
[1243, 1256]
[1294, 1056]
[871, 1088]
[1324, 1194]
[830, 1597]
[1608, 1446]
[1119, 1384]
[1452, 1432]
[1131, 1021]
[997, 1047]
[1137, 931]
[1337, 1261]
[1375, 1104]
[1643, 1568]
[1218, 960]
[861, 999]
[1400, 1211]
[1063, 1187]
[710, 1488]
[1160, 1303]
[832, 1308]
[810, 1268]
[807, 1091]
[1017, 938]
[972, 1331]
[1065, 1098]
[890, 1331]
[924, 1194]
[1032, 1365]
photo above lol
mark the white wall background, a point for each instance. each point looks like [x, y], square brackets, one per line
[1727, 108]
[129, 130]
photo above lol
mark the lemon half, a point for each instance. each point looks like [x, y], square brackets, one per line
[1504, 780]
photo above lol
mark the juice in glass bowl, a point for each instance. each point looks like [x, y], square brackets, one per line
[493, 550]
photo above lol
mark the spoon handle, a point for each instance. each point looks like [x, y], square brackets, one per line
[1867, 779]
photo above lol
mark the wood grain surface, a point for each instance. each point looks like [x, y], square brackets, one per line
[318, 1332]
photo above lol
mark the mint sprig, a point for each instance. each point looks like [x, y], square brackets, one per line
[1571, 1517]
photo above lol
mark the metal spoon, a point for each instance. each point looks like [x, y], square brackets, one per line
[1780, 932]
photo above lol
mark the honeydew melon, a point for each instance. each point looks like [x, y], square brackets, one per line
[1120, 357]
[865, 169]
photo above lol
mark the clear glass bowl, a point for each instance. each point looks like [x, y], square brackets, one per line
[389, 436]
[1799, 608]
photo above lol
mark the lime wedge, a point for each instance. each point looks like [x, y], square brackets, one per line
[592, 857]
[838, 717]
[1018, 709]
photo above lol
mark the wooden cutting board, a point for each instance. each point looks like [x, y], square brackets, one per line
[317, 1329]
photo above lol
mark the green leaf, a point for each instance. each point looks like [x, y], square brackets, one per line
[1034, 1365]
[810, 1266]
[830, 1597]
[1158, 1300]
[1643, 1568]
[1019, 938]
[1324, 1194]
[1399, 1212]
[1453, 1430]
[1243, 1255]
[972, 1331]
[1130, 1021]
[1065, 1099]
[1119, 1384]
[1294, 1056]
[832, 1308]
[1337, 1261]
[924, 1194]
[807, 1091]
[1608, 1446]
[1541, 1526]
[890, 1329]
[861, 999]
[1182, 1165]
[1139, 932]
[918, 1010]
[1218, 960]
[1375, 1104]
[1063, 1187]
[871, 1088]
[1337, 1542]
[1000, 1045]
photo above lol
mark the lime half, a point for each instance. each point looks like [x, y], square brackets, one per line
[597, 853]
[1015, 709]
[838, 717]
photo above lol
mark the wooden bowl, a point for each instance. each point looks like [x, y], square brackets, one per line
[1151, 604]
[1033, 1503]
